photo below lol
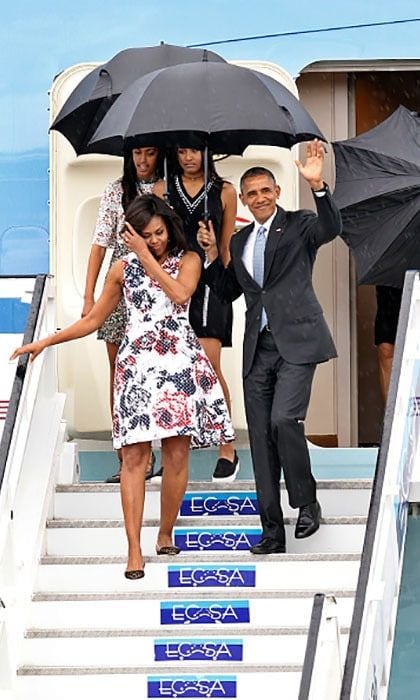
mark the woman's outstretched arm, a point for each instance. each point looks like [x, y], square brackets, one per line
[86, 325]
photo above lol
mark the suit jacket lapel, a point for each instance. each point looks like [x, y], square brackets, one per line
[242, 238]
[275, 236]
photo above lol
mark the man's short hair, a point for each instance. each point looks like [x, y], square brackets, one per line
[254, 172]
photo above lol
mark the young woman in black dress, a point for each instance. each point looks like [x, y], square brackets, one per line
[210, 319]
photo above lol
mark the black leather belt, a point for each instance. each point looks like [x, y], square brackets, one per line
[266, 329]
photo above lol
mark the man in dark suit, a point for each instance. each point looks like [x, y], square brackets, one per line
[286, 335]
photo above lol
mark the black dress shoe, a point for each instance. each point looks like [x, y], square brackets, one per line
[308, 520]
[268, 546]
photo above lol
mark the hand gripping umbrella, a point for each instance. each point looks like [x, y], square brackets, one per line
[378, 192]
[93, 96]
[207, 105]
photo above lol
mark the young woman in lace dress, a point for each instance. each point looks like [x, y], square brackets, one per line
[141, 171]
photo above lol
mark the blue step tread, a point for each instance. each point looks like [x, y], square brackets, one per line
[327, 463]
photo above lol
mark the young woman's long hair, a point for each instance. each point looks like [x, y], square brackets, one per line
[143, 208]
[129, 177]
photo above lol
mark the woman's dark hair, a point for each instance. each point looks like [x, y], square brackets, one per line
[176, 169]
[129, 177]
[145, 207]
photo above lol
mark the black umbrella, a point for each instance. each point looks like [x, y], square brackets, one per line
[378, 192]
[93, 96]
[216, 105]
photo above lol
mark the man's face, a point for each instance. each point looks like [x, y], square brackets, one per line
[260, 194]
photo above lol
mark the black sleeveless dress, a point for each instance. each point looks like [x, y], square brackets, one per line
[208, 316]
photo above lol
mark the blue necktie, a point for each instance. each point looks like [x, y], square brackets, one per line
[258, 266]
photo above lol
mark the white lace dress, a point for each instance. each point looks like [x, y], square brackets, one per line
[109, 227]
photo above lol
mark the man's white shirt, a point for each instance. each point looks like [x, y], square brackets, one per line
[248, 252]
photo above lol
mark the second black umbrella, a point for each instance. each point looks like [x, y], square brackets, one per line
[216, 105]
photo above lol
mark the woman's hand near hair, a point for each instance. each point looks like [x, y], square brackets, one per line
[136, 243]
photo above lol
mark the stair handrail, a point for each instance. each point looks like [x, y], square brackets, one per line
[31, 448]
[322, 668]
[367, 662]
[16, 393]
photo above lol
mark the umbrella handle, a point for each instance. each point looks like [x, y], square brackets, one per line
[103, 72]
[206, 215]
[165, 179]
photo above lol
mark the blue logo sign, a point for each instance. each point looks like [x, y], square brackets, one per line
[191, 686]
[220, 503]
[218, 576]
[222, 539]
[199, 650]
[204, 612]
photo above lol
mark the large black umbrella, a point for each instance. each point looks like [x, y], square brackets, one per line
[378, 192]
[216, 105]
[93, 96]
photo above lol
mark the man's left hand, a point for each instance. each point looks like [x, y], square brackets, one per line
[314, 165]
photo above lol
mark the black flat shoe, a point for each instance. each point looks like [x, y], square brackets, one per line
[170, 550]
[134, 574]
[268, 546]
[308, 520]
[225, 470]
[114, 479]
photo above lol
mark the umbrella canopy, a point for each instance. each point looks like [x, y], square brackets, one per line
[93, 96]
[216, 105]
[378, 192]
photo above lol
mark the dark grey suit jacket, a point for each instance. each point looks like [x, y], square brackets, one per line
[294, 314]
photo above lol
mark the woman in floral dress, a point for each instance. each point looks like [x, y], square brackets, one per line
[141, 171]
[165, 387]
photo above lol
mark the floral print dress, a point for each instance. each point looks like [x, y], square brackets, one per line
[164, 382]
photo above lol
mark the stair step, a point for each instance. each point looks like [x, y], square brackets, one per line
[262, 575]
[206, 557]
[177, 635]
[131, 610]
[191, 653]
[101, 537]
[103, 500]
[47, 684]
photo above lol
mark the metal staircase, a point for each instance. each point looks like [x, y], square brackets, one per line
[214, 621]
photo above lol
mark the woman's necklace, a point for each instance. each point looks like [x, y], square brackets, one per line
[146, 186]
[193, 177]
[194, 202]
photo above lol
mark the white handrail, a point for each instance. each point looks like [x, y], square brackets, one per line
[28, 481]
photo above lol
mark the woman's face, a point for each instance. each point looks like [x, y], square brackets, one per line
[156, 236]
[190, 161]
[145, 162]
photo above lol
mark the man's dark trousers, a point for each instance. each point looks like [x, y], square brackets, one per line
[277, 395]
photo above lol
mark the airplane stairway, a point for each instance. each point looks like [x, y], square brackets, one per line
[213, 622]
